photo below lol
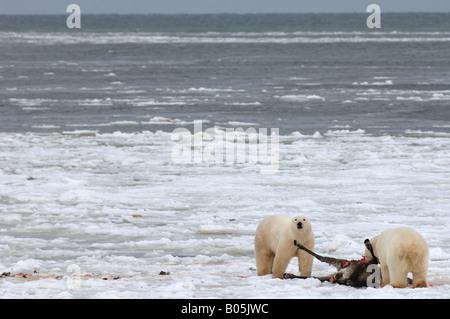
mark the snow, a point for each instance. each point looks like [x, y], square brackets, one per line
[117, 205]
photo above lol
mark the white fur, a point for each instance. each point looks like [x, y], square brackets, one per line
[401, 251]
[274, 245]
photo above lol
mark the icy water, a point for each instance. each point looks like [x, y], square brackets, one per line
[89, 182]
[294, 72]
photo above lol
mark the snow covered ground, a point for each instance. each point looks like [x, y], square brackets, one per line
[116, 204]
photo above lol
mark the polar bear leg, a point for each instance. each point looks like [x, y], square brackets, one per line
[398, 278]
[305, 260]
[419, 279]
[280, 264]
[264, 261]
[385, 278]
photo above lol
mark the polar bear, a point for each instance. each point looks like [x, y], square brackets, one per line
[399, 252]
[274, 245]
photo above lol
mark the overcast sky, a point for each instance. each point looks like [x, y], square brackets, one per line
[219, 6]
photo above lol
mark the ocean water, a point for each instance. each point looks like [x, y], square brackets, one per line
[303, 73]
[89, 182]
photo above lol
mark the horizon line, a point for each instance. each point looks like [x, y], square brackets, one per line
[224, 13]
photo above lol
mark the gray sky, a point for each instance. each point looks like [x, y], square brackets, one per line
[219, 6]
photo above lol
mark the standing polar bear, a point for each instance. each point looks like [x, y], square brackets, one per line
[274, 245]
[399, 252]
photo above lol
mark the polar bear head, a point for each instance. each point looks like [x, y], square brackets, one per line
[300, 225]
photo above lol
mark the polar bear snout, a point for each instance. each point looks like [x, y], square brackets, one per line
[299, 225]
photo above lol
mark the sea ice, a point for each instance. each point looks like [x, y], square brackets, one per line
[116, 205]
